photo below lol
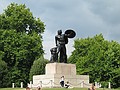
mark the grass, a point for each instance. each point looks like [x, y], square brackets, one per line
[76, 89]
[12, 89]
[56, 89]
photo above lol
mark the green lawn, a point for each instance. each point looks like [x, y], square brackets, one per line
[75, 89]
[55, 89]
[12, 89]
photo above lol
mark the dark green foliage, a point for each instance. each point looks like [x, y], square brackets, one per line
[20, 42]
[20, 51]
[20, 18]
[3, 73]
[98, 58]
[38, 67]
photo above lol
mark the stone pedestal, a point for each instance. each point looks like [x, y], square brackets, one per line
[60, 69]
[53, 74]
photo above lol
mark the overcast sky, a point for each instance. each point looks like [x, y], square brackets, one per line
[86, 17]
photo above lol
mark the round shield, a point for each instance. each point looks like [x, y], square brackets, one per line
[70, 33]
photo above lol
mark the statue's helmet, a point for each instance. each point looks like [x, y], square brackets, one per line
[59, 32]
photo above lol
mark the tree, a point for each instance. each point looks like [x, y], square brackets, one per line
[20, 42]
[98, 58]
[19, 18]
[3, 72]
[38, 67]
[20, 51]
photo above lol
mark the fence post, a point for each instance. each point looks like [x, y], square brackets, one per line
[21, 84]
[96, 85]
[51, 82]
[13, 85]
[30, 84]
[100, 85]
[40, 83]
[109, 85]
[82, 84]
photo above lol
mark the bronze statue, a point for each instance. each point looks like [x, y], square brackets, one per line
[61, 40]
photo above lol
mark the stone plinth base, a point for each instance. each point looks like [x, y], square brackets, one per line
[54, 71]
[60, 68]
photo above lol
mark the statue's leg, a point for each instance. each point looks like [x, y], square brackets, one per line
[56, 57]
[65, 59]
[60, 53]
[64, 55]
[61, 56]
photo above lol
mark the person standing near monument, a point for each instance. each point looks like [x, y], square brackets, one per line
[62, 81]
[61, 40]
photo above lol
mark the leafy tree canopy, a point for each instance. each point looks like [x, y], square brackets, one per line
[38, 67]
[20, 42]
[20, 18]
[3, 72]
[98, 58]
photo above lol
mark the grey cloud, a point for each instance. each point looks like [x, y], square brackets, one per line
[108, 10]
